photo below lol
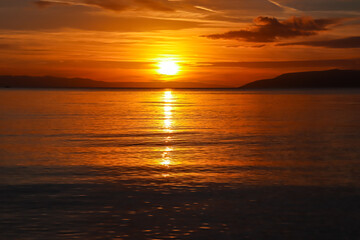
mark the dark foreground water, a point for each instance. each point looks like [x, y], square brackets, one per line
[179, 164]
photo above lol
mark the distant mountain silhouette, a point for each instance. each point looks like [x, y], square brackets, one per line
[59, 82]
[320, 79]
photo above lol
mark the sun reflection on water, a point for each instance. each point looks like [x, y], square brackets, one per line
[167, 111]
[168, 100]
[166, 157]
[168, 97]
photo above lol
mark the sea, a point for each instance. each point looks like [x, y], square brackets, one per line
[214, 164]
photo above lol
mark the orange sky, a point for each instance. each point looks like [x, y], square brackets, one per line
[227, 42]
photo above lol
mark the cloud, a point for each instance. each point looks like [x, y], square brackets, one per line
[49, 3]
[206, 9]
[330, 63]
[59, 20]
[43, 4]
[349, 42]
[269, 29]
[285, 8]
[322, 5]
[6, 46]
[114, 5]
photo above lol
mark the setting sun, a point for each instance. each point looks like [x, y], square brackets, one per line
[168, 67]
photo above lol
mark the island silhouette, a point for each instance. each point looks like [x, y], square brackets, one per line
[334, 78]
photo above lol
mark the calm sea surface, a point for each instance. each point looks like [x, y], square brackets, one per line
[179, 164]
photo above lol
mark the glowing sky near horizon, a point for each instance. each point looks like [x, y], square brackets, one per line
[224, 42]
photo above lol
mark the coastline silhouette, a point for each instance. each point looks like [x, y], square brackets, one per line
[8, 81]
[334, 78]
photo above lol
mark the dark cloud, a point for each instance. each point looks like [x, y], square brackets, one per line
[331, 63]
[236, 5]
[323, 5]
[259, 46]
[269, 29]
[114, 5]
[6, 46]
[349, 42]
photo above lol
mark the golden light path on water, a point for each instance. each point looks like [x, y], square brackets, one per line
[168, 100]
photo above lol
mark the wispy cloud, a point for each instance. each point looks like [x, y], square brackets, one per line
[114, 5]
[285, 8]
[206, 9]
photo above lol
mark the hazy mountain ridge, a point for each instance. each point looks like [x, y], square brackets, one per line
[7, 81]
[334, 78]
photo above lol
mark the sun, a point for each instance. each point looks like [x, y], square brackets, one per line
[168, 67]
